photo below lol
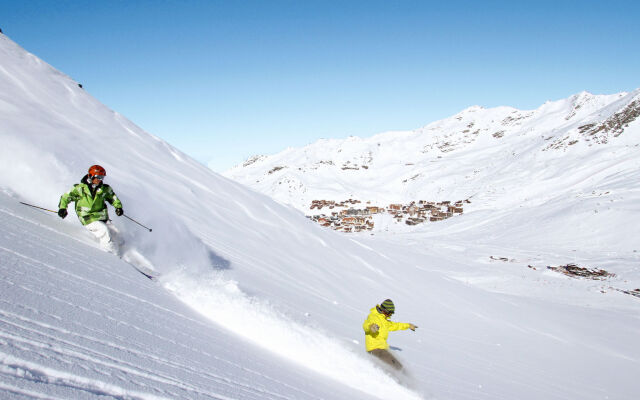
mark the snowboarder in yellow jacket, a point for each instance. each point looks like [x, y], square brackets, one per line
[376, 330]
[90, 196]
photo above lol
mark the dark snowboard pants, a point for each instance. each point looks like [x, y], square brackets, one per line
[386, 357]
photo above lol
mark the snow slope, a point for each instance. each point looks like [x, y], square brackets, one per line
[77, 323]
[254, 300]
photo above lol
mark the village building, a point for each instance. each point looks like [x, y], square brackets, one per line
[352, 219]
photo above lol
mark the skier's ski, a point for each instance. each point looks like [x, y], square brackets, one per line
[140, 263]
[145, 273]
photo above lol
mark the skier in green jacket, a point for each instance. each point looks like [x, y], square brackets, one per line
[90, 195]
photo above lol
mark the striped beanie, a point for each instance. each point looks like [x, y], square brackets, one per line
[388, 306]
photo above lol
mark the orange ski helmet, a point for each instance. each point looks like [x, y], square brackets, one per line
[96, 170]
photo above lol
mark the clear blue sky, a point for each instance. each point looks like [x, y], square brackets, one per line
[223, 80]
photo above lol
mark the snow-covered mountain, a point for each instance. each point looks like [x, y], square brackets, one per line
[499, 157]
[257, 302]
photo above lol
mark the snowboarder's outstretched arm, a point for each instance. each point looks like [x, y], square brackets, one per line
[401, 326]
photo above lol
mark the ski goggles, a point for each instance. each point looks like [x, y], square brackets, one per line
[98, 177]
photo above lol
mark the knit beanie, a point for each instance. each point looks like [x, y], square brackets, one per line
[388, 306]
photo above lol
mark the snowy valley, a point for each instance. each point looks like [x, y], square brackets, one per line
[255, 301]
[489, 158]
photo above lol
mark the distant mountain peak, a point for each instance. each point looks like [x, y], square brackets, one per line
[453, 158]
[472, 109]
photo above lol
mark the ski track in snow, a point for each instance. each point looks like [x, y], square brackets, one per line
[382, 255]
[41, 374]
[75, 358]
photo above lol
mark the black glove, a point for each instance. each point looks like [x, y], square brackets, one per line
[62, 213]
[119, 212]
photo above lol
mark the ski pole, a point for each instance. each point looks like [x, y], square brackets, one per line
[31, 205]
[125, 215]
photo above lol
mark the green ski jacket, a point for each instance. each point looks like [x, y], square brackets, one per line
[90, 202]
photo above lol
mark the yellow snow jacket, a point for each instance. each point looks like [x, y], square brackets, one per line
[378, 340]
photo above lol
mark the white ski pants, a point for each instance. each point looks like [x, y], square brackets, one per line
[105, 235]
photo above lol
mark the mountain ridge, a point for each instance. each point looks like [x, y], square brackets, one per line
[401, 163]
